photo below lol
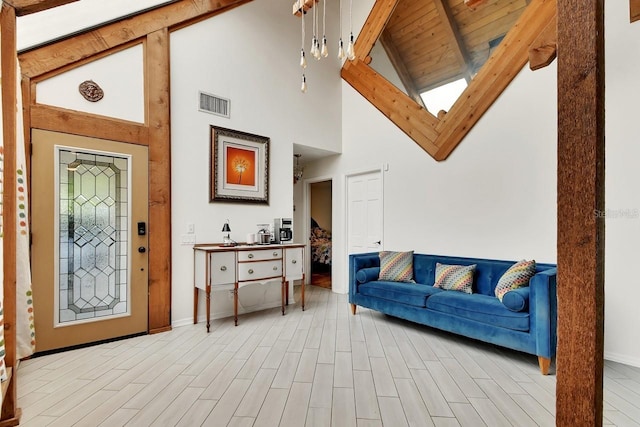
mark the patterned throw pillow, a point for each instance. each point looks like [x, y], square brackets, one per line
[454, 277]
[396, 266]
[517, 276]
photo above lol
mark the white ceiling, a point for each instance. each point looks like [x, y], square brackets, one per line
[42, 27]
[310, 154]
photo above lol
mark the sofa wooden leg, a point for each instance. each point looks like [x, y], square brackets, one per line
[544, 365]
[353, 309]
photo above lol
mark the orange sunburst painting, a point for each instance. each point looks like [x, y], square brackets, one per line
[241, 166]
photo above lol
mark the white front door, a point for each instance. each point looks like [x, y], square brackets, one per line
[364, 212]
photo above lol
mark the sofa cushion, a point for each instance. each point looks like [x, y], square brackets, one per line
[368, 274]
[517, 276]
[485, 309]
[455, 277]
[396, 266]
[517, 299]
[404, 293]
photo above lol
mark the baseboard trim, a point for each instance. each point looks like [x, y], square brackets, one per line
[621, 358]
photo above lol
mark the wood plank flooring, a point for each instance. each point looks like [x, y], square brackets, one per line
[319, 367]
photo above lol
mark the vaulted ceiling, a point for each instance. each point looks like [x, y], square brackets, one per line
[433, 42]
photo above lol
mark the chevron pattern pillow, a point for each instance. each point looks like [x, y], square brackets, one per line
[517, 276]
[396, 266]
[455, 277]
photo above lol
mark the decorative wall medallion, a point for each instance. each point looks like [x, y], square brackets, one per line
[91, 91]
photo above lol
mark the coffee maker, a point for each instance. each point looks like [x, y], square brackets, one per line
[283, 230]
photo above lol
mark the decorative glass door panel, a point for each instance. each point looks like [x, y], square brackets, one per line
[93, 234]
[89, 283]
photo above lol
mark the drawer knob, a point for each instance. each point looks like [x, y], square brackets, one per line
[275, 253]
[293, 261]
[250, 256]
[275, 268]
[250, 271]
[223, 268]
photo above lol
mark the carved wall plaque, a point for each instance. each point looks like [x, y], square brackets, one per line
[91, 91]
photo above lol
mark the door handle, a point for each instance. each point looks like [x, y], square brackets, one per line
[142, 249]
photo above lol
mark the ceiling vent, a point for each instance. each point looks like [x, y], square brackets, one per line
[214, 104]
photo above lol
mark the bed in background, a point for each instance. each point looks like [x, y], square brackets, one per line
[320, 247]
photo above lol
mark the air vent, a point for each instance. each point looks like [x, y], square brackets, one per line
[214, 104]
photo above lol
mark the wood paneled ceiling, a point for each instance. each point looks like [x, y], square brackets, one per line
[433, 42]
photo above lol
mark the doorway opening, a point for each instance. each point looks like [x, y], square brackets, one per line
[320, 227]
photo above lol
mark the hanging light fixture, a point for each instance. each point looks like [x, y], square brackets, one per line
[319, 47]
[351, 48]
[297, 170]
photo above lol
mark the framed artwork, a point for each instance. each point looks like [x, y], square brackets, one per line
[239, 167]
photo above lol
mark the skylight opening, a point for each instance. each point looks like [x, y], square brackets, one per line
[443, 97]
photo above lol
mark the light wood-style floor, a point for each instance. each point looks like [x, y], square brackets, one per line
[320, 367]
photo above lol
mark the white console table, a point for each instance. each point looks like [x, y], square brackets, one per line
[217, 267]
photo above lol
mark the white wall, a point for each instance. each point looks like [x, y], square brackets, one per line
[495, 196]
[121, 77]
[622, 191]
[251, 56]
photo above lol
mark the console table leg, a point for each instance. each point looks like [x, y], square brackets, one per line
[282, 293]
[208, 306]
[235, 304]
[302, 292]
[195, 305]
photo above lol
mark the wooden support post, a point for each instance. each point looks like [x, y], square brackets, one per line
[157, 76]
[10, 412]
[580, 204]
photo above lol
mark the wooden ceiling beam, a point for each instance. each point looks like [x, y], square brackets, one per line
[40, 61]
[414, 120]
[400, 67]
[544, 49]
[302, 5]
[374, 25]
[634, 10]
[27, 7]
[456, 42]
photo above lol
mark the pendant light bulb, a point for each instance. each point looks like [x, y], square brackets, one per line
[351, 51]
[325, 49]
[303, 59]
[340, 49]
[303, 87]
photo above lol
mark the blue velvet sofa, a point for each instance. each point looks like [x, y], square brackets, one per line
[528, 325]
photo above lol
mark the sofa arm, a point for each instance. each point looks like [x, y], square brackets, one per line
[358, 262]
[368, 274]
[543, 311]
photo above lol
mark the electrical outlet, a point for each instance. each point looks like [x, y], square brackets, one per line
[188, 239]
[191, 228]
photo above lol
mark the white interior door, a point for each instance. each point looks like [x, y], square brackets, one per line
[364, 212]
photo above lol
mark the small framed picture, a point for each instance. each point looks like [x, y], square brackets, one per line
[239, 167]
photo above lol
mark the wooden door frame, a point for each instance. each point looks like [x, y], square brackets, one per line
[306, 214]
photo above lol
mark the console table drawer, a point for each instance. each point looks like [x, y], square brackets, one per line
[249, 271]
[223, 268]
[259, 255]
